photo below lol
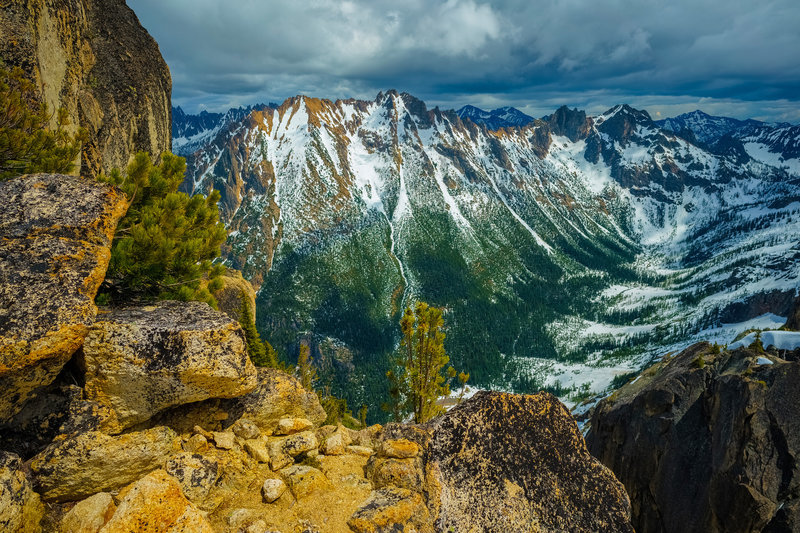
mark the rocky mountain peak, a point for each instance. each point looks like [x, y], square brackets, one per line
[569, 123]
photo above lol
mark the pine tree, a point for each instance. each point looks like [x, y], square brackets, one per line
[418, 383]
[26, 144]
[261, 353]
[165, 244]
[305, 368]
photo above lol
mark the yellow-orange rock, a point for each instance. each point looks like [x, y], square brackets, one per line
[392, 510]
[89, 515]
[54, 251]
[155, 504]
[21, 510]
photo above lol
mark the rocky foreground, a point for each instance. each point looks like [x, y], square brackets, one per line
[151, 417]
[707, 441]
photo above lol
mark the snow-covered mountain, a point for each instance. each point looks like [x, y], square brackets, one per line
[503, 117]
[707, 128]
[564, 252]
[191, 132]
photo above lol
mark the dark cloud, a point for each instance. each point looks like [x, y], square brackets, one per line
[735, 57]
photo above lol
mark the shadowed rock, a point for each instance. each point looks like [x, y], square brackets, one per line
[707, 442]
[21, 510]
[54, 251]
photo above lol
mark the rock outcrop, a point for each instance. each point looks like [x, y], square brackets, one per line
[234, 293]
[21, 509]
[93, 58]
[498, 462]
[142, 360]
[56, 238]
[707, 442]
[75, 467]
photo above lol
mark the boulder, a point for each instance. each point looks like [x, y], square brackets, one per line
[142, 360]
[155, 504]
[497, 462]
[235, 291]
[304, 480]
[707, 441]
[89, 515]
[55, 248]
[95, 60]
[195, 473]
[299, 443]
[75, 467]
[21, 510]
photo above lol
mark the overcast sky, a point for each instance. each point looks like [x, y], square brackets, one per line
[738, 58]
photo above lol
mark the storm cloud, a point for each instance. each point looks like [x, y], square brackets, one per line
[736, 58]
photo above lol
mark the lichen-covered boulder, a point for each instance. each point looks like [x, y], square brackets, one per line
[156, 504]
[495, 463]
[142, 360]
[304, 480]
[394, 510]
[54, 251]
[75, 467]
[21, 510]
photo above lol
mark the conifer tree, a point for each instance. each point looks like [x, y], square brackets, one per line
[261, 352]
[165, 244]
[305, 368]
[418, 383]
[26, 143]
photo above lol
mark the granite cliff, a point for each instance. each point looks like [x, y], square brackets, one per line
[93, 58]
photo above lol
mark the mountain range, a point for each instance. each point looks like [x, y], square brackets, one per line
[566, 251]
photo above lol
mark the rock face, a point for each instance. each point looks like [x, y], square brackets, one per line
[93, 58]
[55, 247]
[142, 360]
[236, 291]
[75, 467]
[498, 462]
[21, 510]
[707, 442]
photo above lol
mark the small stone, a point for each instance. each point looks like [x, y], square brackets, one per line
[290, 426]
[196, 443]
[224, 440]
[273, 489]
[399, 449]
[334, 445]
[304, 480]
[200, 431]
[239, 517]
[89, 515]
[360, 450]
[245, 429]
[259, 526]
[257, 449]
[299, 443]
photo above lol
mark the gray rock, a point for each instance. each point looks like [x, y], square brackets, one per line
[273, 489]
[707, 447]
[245, 429]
